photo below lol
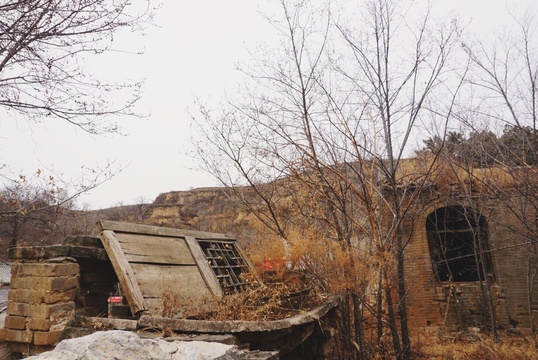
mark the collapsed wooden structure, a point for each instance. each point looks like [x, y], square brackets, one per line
[63, 291]
[151, 260]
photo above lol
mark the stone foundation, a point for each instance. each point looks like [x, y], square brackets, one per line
[41, 303]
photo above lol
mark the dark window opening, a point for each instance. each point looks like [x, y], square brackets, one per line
[457, 238]
[227, 264]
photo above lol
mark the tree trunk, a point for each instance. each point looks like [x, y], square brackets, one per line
[406, 341]
[379, 306]
[392, 323]
[345, 326]
[359, 331]
[531, 279]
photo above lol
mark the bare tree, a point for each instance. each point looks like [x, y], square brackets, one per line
[35, 209]
[506, 73]
[143, 209]
[339, 126]
[42, 46]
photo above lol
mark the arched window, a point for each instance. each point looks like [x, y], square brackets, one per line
[457, 238]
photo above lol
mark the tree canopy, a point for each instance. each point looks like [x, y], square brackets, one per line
[515, 146]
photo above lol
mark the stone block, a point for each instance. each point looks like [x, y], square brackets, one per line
[15, 322]
[20, 296]
[60, 320]
[88, 252]
[38, 252]
[47, 337]
[54, 297]
[44, 283]
[20, 309]
[45, 269]
[39, 324]
[40, 296]
[45, 311]
[84, 240]
[11, 335]
[41, 311]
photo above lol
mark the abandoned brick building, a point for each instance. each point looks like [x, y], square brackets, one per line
[471, 251]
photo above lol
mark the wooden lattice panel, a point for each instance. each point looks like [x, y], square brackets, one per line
[227, 263]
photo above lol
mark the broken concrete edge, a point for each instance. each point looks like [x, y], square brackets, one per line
[205, 326]
[83, 240]
[98, 323]
[237, 326]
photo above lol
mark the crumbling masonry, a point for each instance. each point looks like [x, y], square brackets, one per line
[468, 254]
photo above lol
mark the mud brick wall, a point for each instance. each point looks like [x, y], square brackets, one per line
[40, 302]
[430, 303]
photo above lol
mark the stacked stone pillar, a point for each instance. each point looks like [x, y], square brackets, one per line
[41, 302]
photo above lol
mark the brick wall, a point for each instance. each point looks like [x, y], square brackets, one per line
[431, 302]
[40, 302]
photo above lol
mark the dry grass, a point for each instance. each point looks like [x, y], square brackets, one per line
[270, 302]
[276, 299]
[472, 346]
[173, 303]
[273, 301]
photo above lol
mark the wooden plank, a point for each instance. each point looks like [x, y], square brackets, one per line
[207, 273]
[155, 249]
[252, 270]
[124, 272]
[187, 308]
[154, 306]
[154, 280]
[156, 230]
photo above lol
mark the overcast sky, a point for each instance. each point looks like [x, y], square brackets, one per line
[192, 53]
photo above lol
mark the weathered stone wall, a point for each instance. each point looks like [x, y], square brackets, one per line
[40, 302]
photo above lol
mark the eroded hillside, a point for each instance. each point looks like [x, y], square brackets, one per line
[204, 209]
